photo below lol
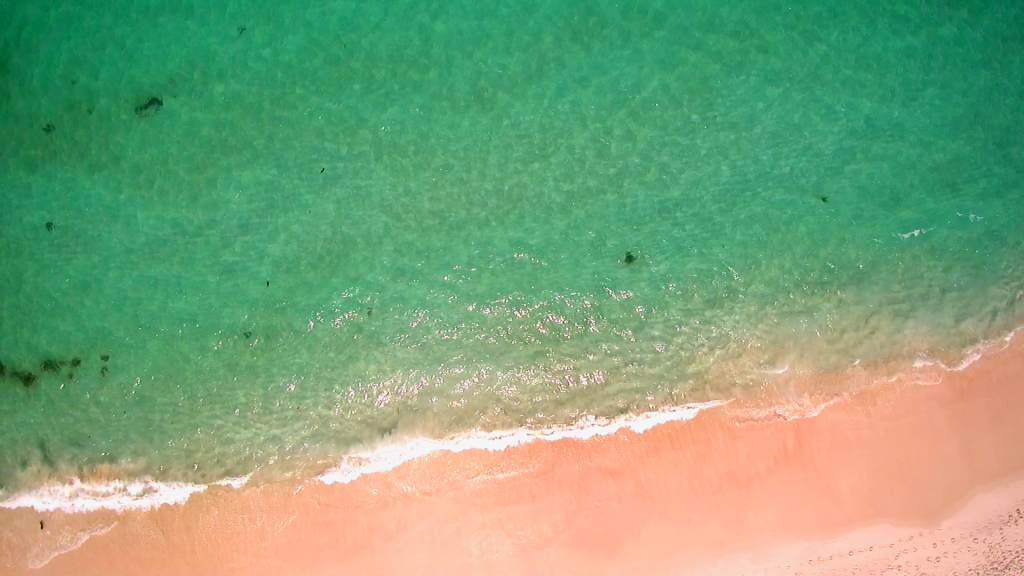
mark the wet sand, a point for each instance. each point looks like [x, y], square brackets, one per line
[899, 478]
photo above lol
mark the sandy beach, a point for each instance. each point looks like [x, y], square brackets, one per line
[921, 475]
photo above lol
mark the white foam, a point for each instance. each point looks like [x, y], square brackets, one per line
[970, 356]
[234, 482]
[77, 496]
[917, 232]
[776, 370]
[974, 353]
[383, 459]
[796, 411]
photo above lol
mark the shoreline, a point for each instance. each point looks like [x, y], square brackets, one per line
[785, 394]
[731, 490]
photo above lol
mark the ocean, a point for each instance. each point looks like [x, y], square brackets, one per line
[251, 239]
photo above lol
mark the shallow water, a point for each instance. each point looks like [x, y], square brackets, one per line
[366, 220]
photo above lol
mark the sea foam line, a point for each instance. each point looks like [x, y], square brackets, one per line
[972, 354]
[77, 496]
[385, 458]
[234, 481]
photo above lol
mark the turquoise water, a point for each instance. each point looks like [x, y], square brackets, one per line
[371, 220]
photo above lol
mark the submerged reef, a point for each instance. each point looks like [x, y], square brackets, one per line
[27, 378]
[47, 366]
[51, 365]
[149, 107]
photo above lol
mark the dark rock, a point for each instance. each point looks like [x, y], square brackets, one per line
[49, 128]
[105, 357]
[76, 362]
[150, 107]
[103, 371]
[27, 378]
[630, 258]
[50, 365]
[3, 369]
[824, 198]
[49, 226]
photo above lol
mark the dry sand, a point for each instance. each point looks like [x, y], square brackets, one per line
[899, 478]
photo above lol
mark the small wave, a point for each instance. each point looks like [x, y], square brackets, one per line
[77, 496]
[798, 410]
[916, 232]
[386, 458]
[970, 356]
[234, 482]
